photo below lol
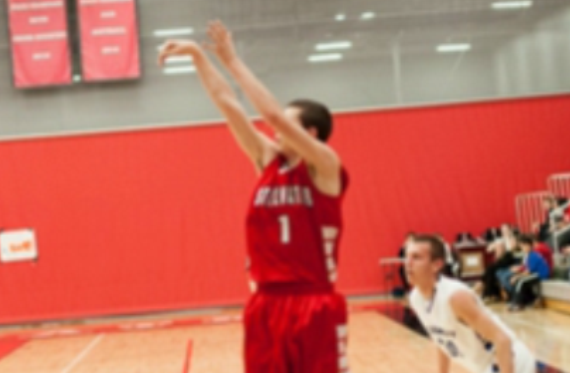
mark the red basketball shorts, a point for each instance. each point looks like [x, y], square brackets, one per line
[296, 333]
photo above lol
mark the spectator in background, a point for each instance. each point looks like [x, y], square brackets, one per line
[465, 239]
[489, 288]
[559, 220]
[509, 237]
[558, 223]
[492, 234]
[561, 202]
[451, 263]
[560, 211]
[543, 228]
[535, 270]
[544, 251]
[504, 274]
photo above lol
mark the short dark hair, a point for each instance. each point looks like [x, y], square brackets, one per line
[436, 246]
[526, 239]
[315, 115]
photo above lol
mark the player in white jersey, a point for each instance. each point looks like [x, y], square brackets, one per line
[456, 320]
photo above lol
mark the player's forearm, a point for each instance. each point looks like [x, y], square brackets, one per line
[212, 80]
[264, 102]
[504, 354]
[442, 362]
[225, 99]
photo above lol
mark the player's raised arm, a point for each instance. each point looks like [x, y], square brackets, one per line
[314, 152]
[255, 144]
[468, 310]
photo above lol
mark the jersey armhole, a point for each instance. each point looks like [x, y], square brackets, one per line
[344, 181]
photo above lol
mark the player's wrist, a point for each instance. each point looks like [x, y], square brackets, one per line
[232, 63]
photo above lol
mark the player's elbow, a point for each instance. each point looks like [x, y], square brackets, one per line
[273, 117]
[502, 342]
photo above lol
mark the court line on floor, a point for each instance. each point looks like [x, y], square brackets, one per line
[128, 327]
[187, 358]
[82, 354]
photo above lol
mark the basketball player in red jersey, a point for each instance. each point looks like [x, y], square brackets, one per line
[295, 322]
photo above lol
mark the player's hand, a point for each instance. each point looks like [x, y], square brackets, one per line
[178, 48]
[221, 43]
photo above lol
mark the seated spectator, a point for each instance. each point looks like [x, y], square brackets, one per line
[504, 274]
[557, 220]
[465, 239]
[545, 252]
[523, 283]
[509, 237]
[557, 236]
[542, 229]
[561, 205]
[492, 234]
[489, 288]
[451, 263]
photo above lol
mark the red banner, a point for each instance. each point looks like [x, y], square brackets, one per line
[40, 49]
[109, 39]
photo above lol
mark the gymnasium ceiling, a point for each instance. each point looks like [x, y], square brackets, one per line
[290, 29]
[287, 31]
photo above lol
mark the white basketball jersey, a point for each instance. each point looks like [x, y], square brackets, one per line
[453, 337]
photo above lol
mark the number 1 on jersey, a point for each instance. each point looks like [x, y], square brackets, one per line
[285, 229]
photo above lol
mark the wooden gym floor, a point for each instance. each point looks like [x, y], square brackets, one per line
[377, 345]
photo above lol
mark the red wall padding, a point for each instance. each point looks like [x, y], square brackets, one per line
[154, 220]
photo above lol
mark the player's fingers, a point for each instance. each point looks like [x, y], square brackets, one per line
[211, 33]
[218, 36]
[223, 30]
[212, 28]
[168, 47]
[161, 58]
[220, 25]
[219, 29]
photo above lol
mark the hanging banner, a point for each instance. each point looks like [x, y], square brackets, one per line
[109, 39]
[39, 42]
[18, 245]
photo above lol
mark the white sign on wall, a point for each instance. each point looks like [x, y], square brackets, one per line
[18, 245]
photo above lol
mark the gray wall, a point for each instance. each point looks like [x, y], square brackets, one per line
[393, 61]
[537, 61]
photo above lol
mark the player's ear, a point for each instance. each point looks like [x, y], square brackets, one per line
[313, 132]
[438, 266]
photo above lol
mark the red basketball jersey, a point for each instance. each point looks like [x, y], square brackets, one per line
[293, 229]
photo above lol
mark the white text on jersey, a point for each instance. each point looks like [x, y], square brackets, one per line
[284, 196]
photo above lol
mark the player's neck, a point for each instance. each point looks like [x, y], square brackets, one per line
[427, 290]
[292, 159]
